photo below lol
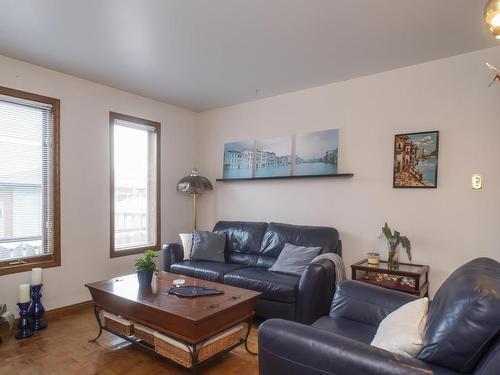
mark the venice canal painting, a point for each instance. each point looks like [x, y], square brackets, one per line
[308, 154]
[416, 160]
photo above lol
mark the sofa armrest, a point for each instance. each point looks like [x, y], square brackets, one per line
[172, 253]
[366, 303]
[315, 291]
[289, 348]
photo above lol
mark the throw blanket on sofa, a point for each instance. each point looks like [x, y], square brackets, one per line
[340, 274]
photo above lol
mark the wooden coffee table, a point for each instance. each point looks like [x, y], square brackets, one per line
[191, 321]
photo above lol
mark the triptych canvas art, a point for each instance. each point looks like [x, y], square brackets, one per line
[306, 154]
[316, 154]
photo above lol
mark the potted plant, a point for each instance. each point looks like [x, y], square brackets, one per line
[6, 316]
[393, 241]
[145, 267]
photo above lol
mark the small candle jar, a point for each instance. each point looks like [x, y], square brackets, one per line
[373, 259]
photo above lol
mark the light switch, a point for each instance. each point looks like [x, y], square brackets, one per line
[477, 181]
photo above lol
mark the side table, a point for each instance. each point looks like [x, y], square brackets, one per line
[408, 278]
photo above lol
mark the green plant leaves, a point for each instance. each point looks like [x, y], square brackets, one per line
[387, 231]
[405, 242]
[147, 262]
[396, 239]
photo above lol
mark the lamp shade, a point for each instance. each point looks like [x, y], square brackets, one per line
[194, 184]
[492, 17]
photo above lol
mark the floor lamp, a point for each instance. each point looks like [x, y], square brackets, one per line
[194, 185]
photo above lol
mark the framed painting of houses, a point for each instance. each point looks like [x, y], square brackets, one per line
[416, 160]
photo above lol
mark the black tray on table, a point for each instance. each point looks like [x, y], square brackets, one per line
[193, 291]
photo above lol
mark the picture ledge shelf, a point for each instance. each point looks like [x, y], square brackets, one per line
[345, 175]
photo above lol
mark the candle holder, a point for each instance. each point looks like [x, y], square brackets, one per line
[24, 327]
[36, 309]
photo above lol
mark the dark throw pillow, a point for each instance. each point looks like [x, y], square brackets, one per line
[208, 246]
[294, 259]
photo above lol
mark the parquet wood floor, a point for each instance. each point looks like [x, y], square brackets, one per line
[63, 349]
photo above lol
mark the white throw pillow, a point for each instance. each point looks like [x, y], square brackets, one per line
[401, 331]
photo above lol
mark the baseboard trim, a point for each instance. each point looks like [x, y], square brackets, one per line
[58, 312]
[61, 311]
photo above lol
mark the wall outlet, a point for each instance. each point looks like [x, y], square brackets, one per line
[477, 181]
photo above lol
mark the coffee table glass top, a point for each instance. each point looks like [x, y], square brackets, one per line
[384, 266]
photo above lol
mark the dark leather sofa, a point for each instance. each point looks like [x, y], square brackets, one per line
[462, 334]
[251, 249]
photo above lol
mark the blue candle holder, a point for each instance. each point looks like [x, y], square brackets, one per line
[36, 309]
[24, 327]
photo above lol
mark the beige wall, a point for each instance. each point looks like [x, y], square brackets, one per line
[85, 214]
[448, 225]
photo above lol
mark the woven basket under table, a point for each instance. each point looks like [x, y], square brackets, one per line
[118, 324]
[144, 333]
[181, 353]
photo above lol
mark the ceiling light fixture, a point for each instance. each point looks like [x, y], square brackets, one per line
[492, 17]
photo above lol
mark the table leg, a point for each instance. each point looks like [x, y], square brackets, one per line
[98, 318]
[250, 321]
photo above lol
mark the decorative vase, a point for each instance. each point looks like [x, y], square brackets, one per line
[393, 257]
[144, 278]
[187, 244]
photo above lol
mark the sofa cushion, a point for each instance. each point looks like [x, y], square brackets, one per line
[402, 331]
[293, 259]
[208, 246]
[212, 271]
[243, 240]
[273, 286]
[348, 328]
[464, 316]
[278, 234]
[366, 303]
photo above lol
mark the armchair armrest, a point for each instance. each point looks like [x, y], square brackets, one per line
[172, 253]
[289, 348]
[315, 291]
[366, 303]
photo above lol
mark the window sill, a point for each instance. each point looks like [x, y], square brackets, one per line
[132, 251]
[41, 262]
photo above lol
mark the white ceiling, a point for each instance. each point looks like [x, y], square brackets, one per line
[203, 54]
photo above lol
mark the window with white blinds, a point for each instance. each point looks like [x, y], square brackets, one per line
[135, 184]
[27, 178]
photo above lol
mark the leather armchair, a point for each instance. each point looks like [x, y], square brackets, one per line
[462, 334]
[295, 349]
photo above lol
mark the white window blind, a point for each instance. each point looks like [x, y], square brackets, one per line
[135, 185]
[26, 187]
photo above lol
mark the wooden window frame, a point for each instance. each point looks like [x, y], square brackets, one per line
[54, 259]
[113, 253]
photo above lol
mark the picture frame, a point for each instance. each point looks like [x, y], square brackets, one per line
[416, 160]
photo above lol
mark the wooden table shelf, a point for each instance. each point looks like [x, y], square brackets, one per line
[407, 277]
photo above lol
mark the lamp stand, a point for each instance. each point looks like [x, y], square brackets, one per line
[194, 211]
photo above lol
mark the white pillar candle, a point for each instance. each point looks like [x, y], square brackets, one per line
[36, 276]
[24, 293]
